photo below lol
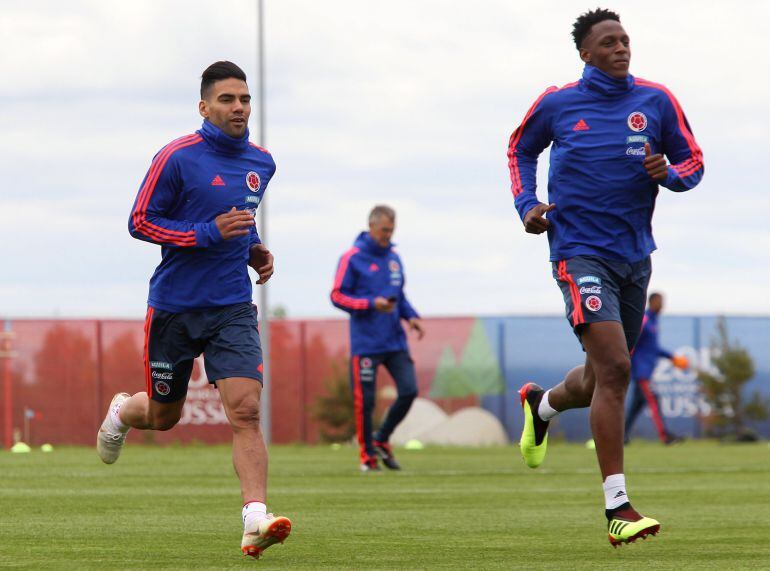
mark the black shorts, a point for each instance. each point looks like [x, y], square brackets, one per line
[227, 336]
[596, 289]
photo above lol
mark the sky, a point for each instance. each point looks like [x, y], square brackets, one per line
[409, 103]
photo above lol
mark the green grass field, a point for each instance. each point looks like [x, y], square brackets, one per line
[178, 508]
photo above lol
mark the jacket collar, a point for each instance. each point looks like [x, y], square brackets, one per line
[596, 80]
[366, 244]
[221, 141]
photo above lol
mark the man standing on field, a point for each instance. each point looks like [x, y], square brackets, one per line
[369, 285]
[609, 134]
[198, 202]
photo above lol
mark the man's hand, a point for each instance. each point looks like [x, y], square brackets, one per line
[384, 305]
[261, 260]
[234, 223]
[656, 165]
[416, 325]
[534, 221]
[681, 362]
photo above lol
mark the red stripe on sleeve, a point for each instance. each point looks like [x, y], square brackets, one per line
[513, 163]
[513, 166]
[695, 162]
[139, 216]
[337, 295]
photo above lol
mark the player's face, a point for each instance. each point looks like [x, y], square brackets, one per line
[228, 106]
[381, 230]
[608, 48]
[656, 304]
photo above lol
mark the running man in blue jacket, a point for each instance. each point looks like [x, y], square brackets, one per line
[610, 134]
[198, 202]
[643, 361]
[369, 285]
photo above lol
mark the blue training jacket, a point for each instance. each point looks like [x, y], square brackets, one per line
[648, 349]
[191, 181]
[597, 128]
[364, 272]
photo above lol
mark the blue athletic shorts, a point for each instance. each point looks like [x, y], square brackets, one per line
[596, 289]
[227, 336]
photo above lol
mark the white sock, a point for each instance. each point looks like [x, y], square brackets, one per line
[615, 491]
[545, 411]
[118, 424]
[253, 512]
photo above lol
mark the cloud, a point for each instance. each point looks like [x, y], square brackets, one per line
[409, 103]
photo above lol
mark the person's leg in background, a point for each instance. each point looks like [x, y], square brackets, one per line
[363, 371]
[401, 368]
[635, 406]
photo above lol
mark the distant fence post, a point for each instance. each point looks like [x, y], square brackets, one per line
[6, 354]
[99, 370]
[501, 362]
[303, 380]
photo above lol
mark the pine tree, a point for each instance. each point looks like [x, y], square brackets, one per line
[723, 388]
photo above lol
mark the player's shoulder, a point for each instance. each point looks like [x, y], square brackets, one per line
[654, 89]
[554, 96]
[178, 147]
[351, 252]
[262, 155]
[254, 148]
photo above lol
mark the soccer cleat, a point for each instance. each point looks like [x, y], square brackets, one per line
[109, 440]
[264, 533]
[673, 439]
[622, 531]
[385, 452]
[534, 436]
[370, 465]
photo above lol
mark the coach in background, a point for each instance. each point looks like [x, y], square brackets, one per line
[369, 285]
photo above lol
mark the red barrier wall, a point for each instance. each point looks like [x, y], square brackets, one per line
[64, 373]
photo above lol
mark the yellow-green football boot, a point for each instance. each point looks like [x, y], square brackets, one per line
[534, 436]
[621, 530]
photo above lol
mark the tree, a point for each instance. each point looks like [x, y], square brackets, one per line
[723, 386]
[334, 410]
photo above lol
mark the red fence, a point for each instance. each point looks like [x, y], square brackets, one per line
[63, 374]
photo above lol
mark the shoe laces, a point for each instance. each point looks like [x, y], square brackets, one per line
[116, 436]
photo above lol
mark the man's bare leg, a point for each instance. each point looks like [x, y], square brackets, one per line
[605, 345]
[575, 391]
[127, 412]
[141, 412]
[240, 398]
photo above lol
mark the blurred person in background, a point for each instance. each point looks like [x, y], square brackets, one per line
[369, 285]
[198, 202]
[610, 135]
[643, 360]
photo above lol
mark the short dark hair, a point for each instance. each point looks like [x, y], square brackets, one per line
[655, 295]
[582, 26]
[382, 210]
[218, 71]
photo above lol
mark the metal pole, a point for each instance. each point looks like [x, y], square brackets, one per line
[264, 311]
[6, 353]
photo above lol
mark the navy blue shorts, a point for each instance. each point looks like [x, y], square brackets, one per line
[227, 336]
[596, 289]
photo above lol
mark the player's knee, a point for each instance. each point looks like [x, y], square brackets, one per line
[165, 421]
[245, 414]
[616, 373]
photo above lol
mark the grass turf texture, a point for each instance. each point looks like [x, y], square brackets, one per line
[178, 508]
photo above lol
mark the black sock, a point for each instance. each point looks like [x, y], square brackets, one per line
[612, 512]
